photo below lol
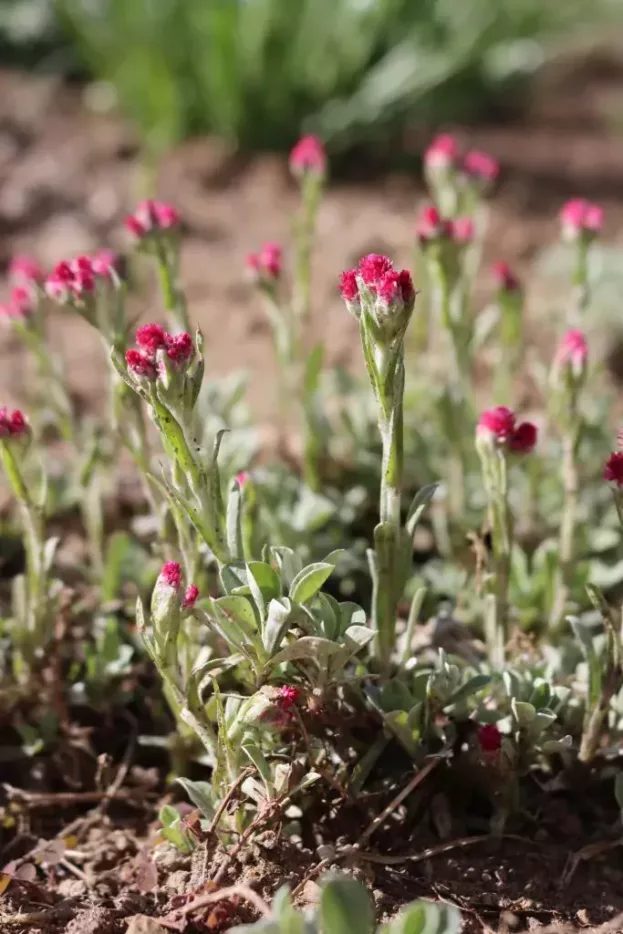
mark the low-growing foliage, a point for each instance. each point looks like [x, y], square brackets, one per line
[285, 623]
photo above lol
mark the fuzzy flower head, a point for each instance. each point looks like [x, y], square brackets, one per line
[13, 424]
[157, 351]
[190, 597]
[581, 220]
[105, 264]
[25, 272]
[308, 156]
[169, 598]
[571, 360]
[71, 282]
[441, 156]
[386, 294]
[152, 218]
[264, 267]
[20, 306]
[613, 469]
[498, 427]
[288, 696]
[462, 230]
[480, 167]
[489, 738]
[431, 227]
[505, 280]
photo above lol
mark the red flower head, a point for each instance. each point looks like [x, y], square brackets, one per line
[481, 166]
[152, 217]
[499, 422]
[524, 438]
[13, 423]
[573, 349]
[462, 230]
[20, 305]
[25, 272]
[151, 337]
[372, 268]
[71, 281]
[392, 289]
[105, 263]
[308, 155]
[349, 289]
[489, 738]
[243, 478]
[180, 347]
[442, 154]
[504, 277]
[431, 226]
[613, 470]
[171, 574]
[288, 696]
[190, 597]
[579, 217]
[140, 363]
[265, 265]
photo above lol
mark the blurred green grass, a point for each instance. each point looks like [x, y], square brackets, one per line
[259, 72]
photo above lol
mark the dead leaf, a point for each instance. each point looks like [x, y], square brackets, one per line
[5, 881]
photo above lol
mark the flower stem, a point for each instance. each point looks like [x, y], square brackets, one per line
[566, 550]
[167, 258]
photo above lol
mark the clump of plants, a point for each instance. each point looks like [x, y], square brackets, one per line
[290, 650]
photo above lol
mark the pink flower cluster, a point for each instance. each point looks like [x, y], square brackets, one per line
[13, 423]
[573, 349]
[431, 226]
[152, 217]
[613, 469]
[171, 576]
[76, 279]
[504, 278]
[444, 155]
[150, 338]
[20, 304]
[500, 425]
[308, 155]
[288, 696]
[25, 272]
[377, 274]
[579, 217]
[265, 265]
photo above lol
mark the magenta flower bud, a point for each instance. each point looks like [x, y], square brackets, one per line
[167, 597]
[140, 364]
[388, 294]
[180, 348]
[71, 282]
[308, 156]
[481, 167]
[489, 738]
[572, 356]
[496, 424]
[242, 478]
[288, 696]
[265, 266]
[105, 263]
[151, 337]
[442, 155]
[13, 424]
[613, 469]
[581, 219]
[497, 427]
[20, 306]
[524, 438]
[25, 272]
[190, 597]
[431, 226]
[462, 230]
[152, 218]
[504, 278]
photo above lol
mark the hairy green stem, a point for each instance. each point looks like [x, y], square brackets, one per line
[167, 261]
[566, 549]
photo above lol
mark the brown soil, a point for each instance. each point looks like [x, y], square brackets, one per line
[66, 179]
